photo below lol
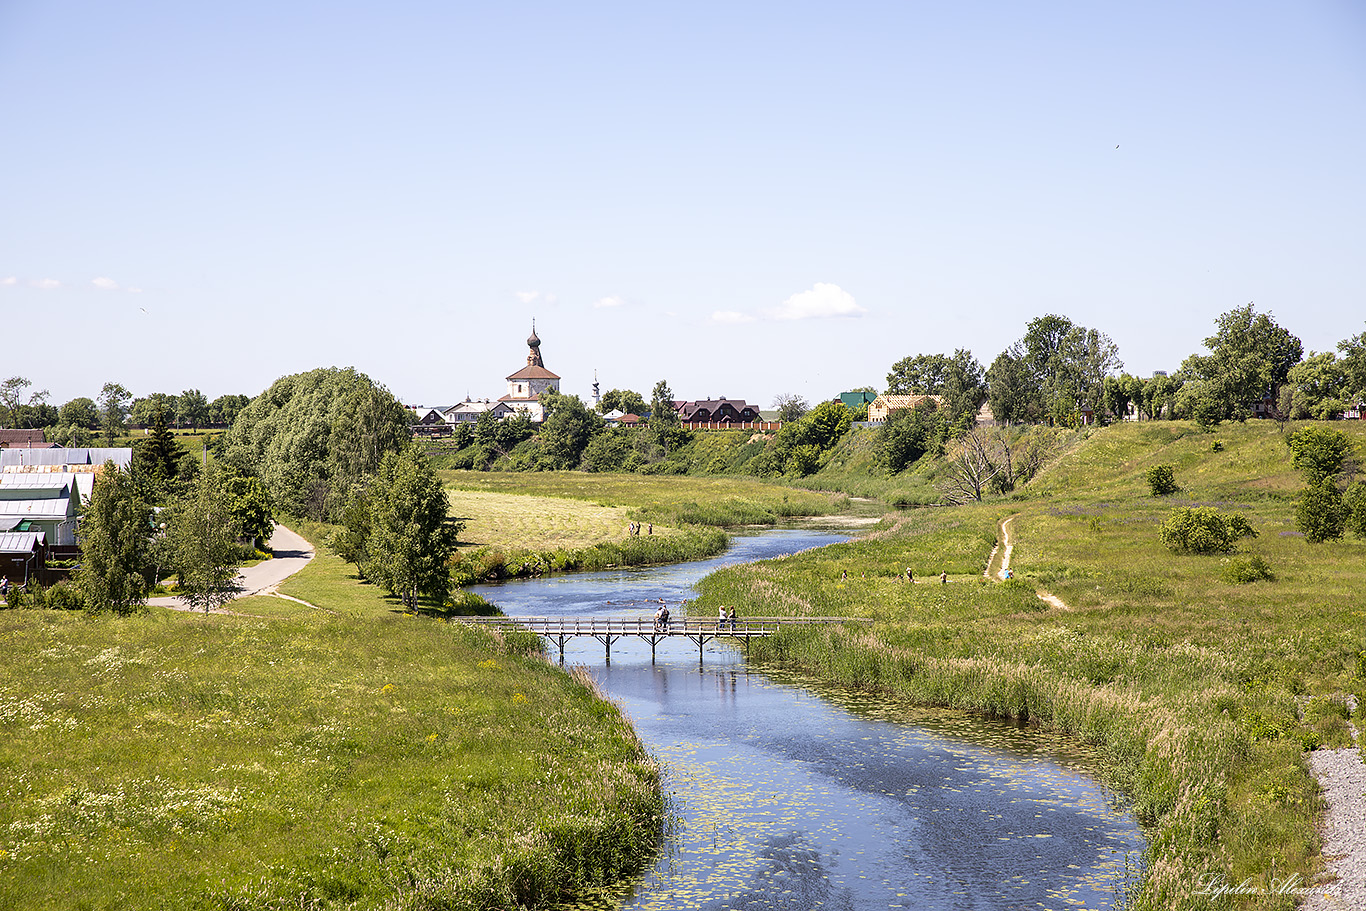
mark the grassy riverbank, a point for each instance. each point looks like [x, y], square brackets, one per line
[527, 524]
[1203, 692]
[344, 755]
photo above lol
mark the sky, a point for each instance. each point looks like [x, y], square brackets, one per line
[746, 199]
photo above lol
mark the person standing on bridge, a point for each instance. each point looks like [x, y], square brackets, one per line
[721, 617]
[730, 618]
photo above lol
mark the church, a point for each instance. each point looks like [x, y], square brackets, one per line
[526, 386]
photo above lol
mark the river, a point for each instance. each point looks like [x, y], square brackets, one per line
[791, 797]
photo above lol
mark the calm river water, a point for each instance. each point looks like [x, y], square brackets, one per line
[792, 798]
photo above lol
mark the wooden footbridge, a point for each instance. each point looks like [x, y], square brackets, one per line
[607, 630]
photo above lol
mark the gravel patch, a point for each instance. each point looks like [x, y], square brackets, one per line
[1342, 775]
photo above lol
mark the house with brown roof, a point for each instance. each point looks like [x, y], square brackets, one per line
[717, 411]
[883, 406]
[20, 438]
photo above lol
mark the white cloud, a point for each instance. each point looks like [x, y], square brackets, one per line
[134, 290]
[45, 284]
[535, 297]
[608, 302]
[106, 284]
[730, 316]
[11, 280]
[823, 301]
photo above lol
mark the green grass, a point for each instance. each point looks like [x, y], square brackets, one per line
[349, 756]
[662, 499]
[1203, 693]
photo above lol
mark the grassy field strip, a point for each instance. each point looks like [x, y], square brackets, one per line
[534, 522]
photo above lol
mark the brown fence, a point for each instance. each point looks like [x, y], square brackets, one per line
[740, 425]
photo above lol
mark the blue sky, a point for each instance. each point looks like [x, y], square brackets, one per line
[745, 199]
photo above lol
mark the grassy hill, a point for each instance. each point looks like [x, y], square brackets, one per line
[1203, 691]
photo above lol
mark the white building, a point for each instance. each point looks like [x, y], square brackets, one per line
[526, 386]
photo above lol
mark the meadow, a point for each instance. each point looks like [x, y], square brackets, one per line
[542, 522]
[340, 754]
[1203, 692]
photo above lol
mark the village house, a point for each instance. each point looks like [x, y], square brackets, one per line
[883, 406]
[717, 411]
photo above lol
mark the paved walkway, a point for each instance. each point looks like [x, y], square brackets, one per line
[292, 554]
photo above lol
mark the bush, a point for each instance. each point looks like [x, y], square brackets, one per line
[1162, 480]
[1242, 570]
[1321, 512]
[1203, 530]
[1319, 452]
[1355, 500]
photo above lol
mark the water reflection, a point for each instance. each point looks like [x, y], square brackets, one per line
[791, 800]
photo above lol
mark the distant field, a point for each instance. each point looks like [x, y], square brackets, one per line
[662, 499]
[536, 523]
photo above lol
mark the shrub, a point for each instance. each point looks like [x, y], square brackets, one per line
[1355, 500]
[1319, 452]
[1203, 530]
[1321, 512]
[1162, 480]
[1216, 446]
[1242, 570]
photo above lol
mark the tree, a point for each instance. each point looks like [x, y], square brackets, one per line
[192, 409]
[958, 379]
[1250, 357]
[1319, 387]
[1354, 367]
[970, 471]
[790, 406]
[1012, 394]
[1321, 512]
[249, 505]
[313, 436]
[115, 539]
[224, 409]
[624, 400]
[909, 434]
[143, 408]
[1355, 501]
[1318, 452]
[16, 411]
[664, 423]
[202, 545]
[79, 412]
[157, 459]
[567, 429]
[11, 396]
[411, 534]
[114, 400]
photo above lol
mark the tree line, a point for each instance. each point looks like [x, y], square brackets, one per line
[329, 446]
[85, 421]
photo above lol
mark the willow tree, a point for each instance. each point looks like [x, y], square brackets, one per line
[312, 437]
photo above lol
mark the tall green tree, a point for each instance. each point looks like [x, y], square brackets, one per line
[790, 406]
[157, 459]
[411, 534]
[1250, 356]
[192, 409]
[141, 411]
[909, 434]
[114, 401]
[567, 430]
[959, 380]
[116, 544]
[664, 423]
[313, 436]
[623, 400]
[79, 412]
[1354, 367]
[18, 411]
[202, 544]
[224, 409]
[1012, 394]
